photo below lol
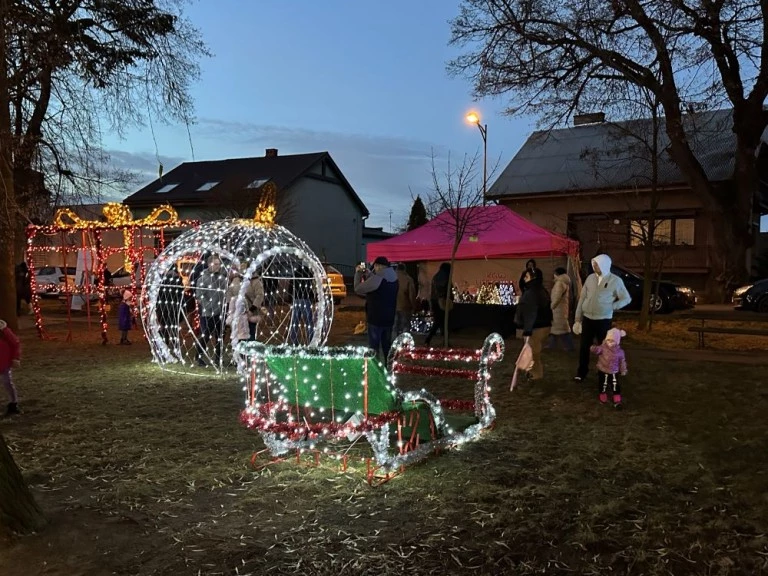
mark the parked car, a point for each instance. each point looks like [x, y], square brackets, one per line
[670, 297]
[336, 280]
[752, 297]
[51, 279]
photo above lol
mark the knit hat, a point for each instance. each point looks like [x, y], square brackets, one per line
[615, 334]
[127, 295]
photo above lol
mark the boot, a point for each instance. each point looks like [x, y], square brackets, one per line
[617, 401]
[603, 398]
[13, 408]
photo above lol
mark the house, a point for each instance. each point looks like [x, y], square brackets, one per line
[314, 199]
[593, 182]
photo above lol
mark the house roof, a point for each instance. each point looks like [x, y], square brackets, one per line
[232, 174]
[611, 156]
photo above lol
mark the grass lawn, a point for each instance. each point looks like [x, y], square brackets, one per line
[146, 472]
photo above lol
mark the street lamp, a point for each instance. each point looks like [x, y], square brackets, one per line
[474, 118]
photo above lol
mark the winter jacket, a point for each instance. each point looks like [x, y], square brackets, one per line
[210, 291]
[533, 309]
[610, 360]
[10, 347]
[406, 292]
[380, 291]
[561, 298]
[124, 316]
[602, 295]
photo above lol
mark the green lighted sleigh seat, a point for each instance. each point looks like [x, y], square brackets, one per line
[298, 398]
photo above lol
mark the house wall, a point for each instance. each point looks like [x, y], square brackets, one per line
[601, 222]
[328, 220]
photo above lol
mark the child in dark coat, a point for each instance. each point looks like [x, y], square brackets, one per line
[10, 357]
[610, 362]
[125, 317]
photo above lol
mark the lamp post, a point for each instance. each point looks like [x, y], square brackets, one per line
[474, 118]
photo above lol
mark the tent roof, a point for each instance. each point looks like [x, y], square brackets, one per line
[491, 232]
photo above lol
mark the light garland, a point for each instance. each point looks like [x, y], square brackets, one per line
[117, 217]
[298, 398]
[185, 302]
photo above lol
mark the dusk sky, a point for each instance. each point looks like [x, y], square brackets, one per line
[365, 81]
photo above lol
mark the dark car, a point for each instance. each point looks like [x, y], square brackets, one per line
[752, 297]
[670, 297]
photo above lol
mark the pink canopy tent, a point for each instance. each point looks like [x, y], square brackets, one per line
[492, 232]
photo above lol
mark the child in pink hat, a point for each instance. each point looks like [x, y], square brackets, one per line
[610, 362]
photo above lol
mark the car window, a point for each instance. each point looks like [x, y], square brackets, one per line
[46, 271]
[71, 270]
[331, 270]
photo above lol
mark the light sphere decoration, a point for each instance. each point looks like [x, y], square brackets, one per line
[229, 281]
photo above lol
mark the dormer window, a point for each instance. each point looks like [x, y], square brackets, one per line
[166, 188]
[207, 186]
[258, 183]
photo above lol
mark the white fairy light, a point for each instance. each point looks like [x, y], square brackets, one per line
[187, 304]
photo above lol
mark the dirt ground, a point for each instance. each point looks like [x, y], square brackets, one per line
[141, 471]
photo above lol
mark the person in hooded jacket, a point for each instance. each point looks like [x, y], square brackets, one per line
[560, 304]
[380, 292]
[536, 272]
[534, 317]
[602, 294]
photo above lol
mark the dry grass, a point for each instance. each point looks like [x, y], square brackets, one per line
[145, 472]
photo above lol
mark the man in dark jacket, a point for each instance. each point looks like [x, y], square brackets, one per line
[380, 292]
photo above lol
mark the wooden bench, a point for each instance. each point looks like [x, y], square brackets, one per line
[299, 398]
[701, 330]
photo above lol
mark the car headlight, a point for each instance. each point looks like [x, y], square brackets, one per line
[685, 290]
[740, 291]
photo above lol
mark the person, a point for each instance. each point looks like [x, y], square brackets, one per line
[210, 290]
[439, 299]
[380, 290]
[560, 303]
[602, 294]
[530, 266]
[107, 277]
[23, 286]
[10, 357]
[125, 317]
[254, 301]
[302, 310]
[169, 308]
[534, 318]
[406, 300]
[611, 361]
[238, 321]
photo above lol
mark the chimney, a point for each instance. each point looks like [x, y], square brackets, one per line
[594, 118]
[271, 153]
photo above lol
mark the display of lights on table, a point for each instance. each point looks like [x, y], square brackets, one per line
[501, 293]
[84, 239]
[251, 275]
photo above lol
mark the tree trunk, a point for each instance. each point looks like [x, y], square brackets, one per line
[8, 216]
[18, 510]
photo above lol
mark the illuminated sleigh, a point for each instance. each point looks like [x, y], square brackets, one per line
[301, 399]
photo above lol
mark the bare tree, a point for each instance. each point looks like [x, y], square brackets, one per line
[560, 56]
[242, 203]
[456, 201]
[75, 69]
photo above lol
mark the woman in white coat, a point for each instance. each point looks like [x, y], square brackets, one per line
[560, 302]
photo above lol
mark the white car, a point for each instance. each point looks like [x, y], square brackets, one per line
[51, 279]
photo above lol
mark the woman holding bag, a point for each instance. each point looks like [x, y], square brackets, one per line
[534, 318]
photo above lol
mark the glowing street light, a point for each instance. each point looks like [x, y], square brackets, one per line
[474, 118]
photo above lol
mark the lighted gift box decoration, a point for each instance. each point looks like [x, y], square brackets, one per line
[194, 312]
[319, 401]
[80, 243]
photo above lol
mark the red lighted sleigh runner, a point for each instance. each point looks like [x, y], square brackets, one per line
[300, 398]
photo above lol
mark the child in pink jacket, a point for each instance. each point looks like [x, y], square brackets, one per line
[10, 357]
[610, 362]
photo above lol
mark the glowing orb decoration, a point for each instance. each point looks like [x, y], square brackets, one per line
[233, 280]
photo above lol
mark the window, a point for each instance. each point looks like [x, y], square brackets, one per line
[667, 232]
[258, 183]
[206, 186]
[166, 188]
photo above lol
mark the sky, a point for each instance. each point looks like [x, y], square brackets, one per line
[365, 81]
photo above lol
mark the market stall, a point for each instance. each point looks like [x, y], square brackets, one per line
[490, 258]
